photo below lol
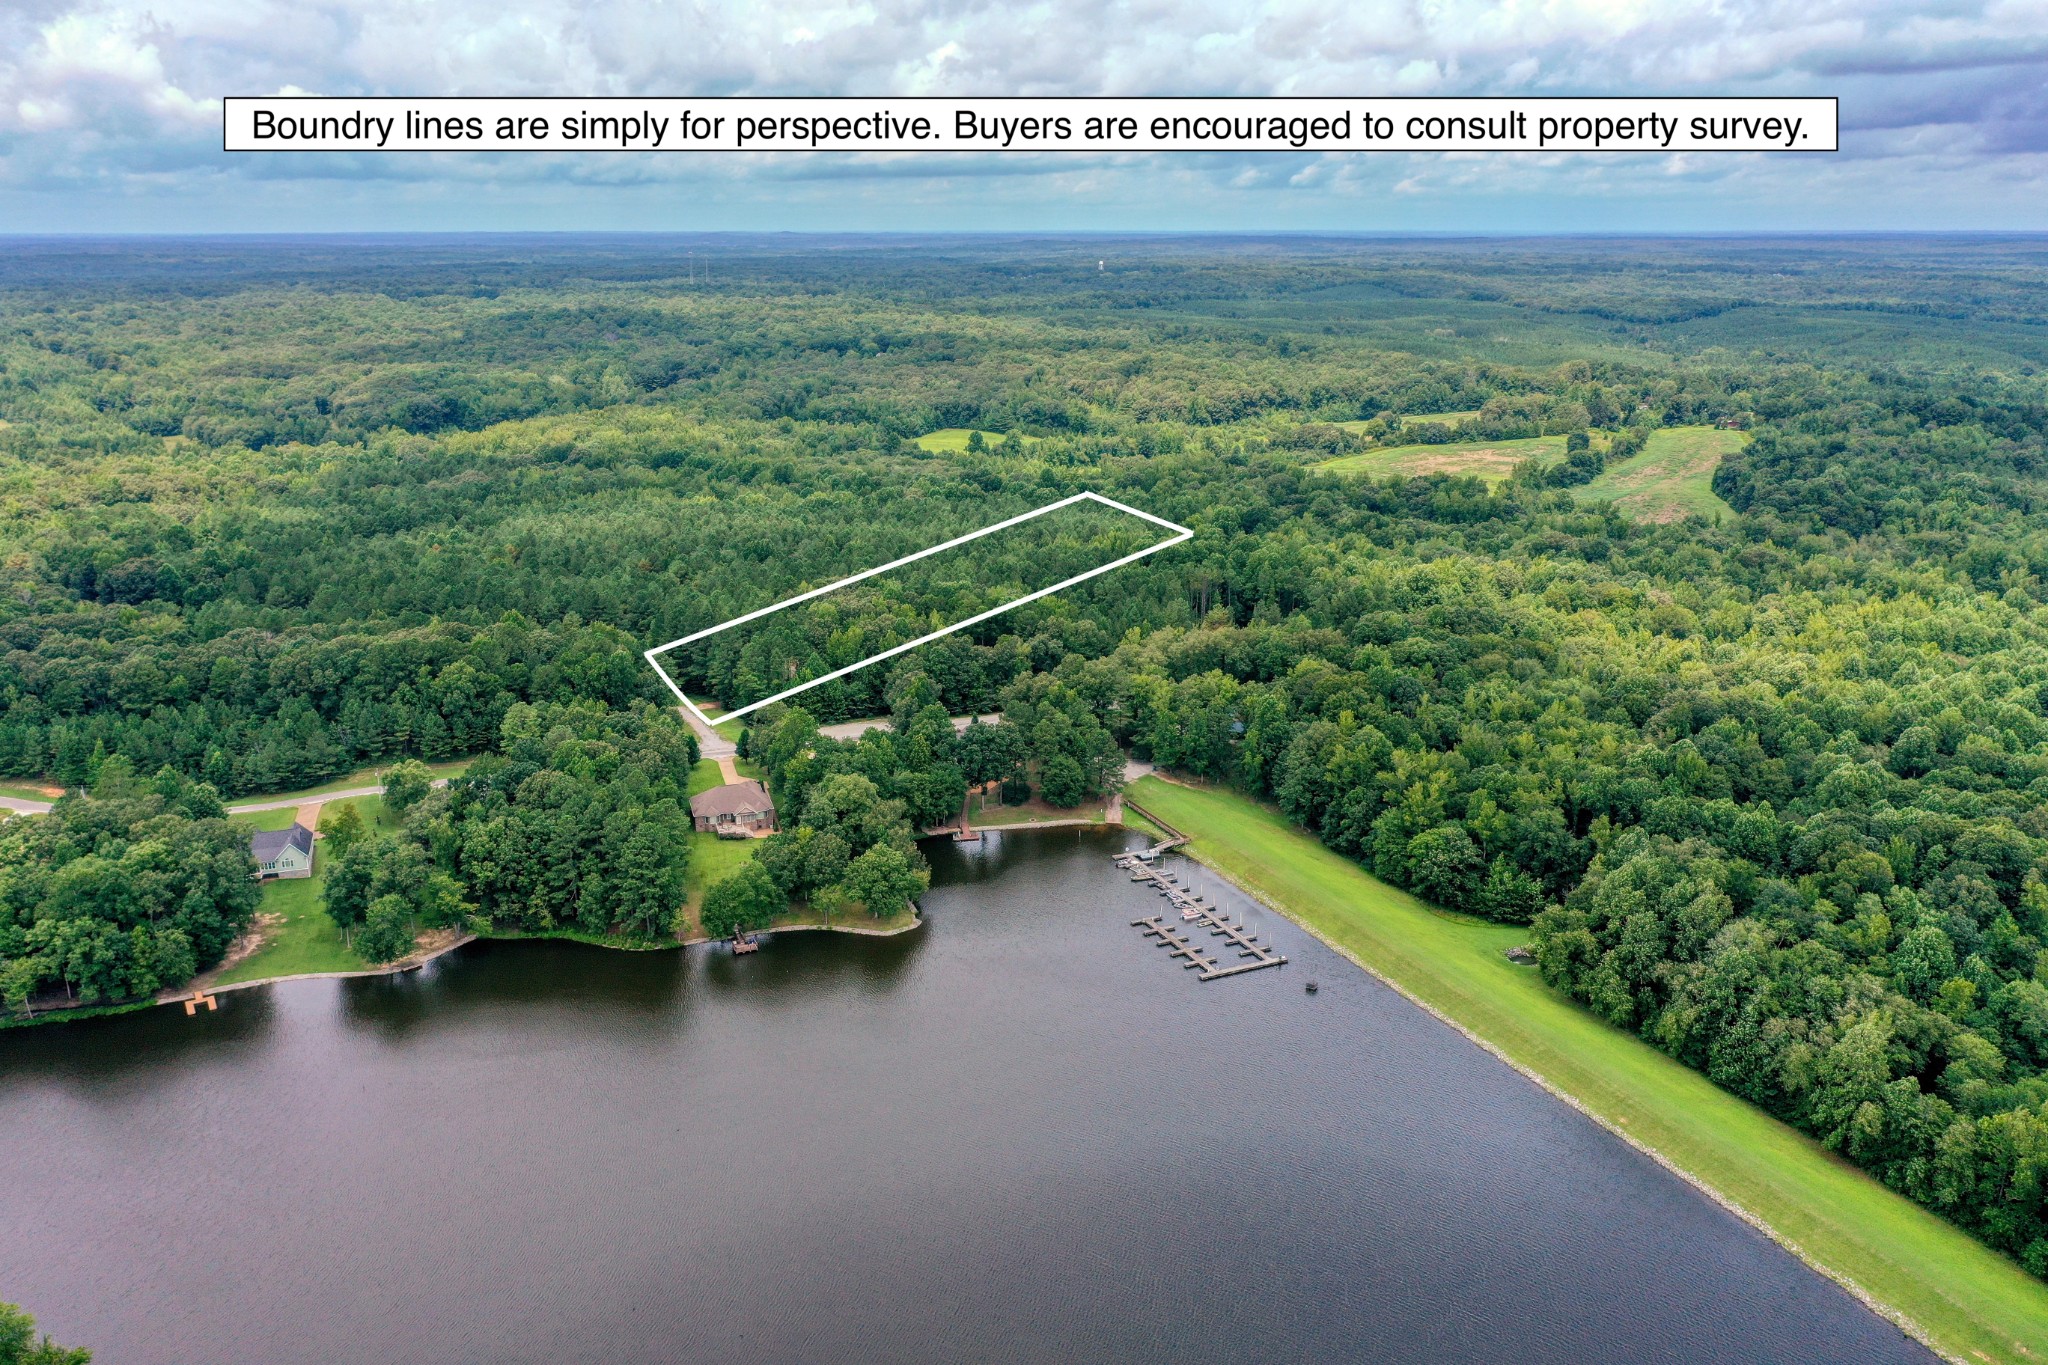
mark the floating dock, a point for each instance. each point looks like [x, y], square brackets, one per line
[1141, 857]
[1237, 940]
[1178, 944]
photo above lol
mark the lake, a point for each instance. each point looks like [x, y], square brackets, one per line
[1018, 1134]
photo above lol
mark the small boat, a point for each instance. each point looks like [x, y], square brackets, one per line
[1311, 988]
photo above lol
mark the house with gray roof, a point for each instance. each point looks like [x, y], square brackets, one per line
[283, 852]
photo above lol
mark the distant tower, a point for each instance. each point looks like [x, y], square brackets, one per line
[1100, 264]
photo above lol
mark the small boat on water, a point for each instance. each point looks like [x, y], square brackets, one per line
[745, 943]
[1311, 988]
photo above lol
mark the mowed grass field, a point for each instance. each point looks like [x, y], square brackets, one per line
[362, 777]
[1488, 460]
[954, 439]
[30, 791]
[307, 940]
[281, 818]
[1671, 478]
[1971, 1302]
[712, 859]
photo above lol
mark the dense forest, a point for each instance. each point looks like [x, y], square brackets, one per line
[1767, 785]
[114, 895]
[578, 821]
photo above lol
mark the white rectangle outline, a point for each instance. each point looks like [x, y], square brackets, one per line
[1180, 533]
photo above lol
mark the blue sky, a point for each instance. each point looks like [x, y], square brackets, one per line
[109, 115]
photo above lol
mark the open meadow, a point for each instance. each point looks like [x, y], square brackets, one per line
[1488, 460]
[1671, 478]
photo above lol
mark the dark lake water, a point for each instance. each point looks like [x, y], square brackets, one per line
[1019, 1134]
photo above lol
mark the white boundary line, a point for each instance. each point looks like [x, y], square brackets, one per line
[1180, 533]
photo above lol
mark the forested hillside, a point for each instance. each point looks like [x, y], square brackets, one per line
[1768, 788]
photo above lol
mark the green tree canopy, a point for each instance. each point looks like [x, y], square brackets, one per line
[748, 899]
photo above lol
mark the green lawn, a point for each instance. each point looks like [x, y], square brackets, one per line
[954, 439]
[713, 859]
[362, 777]
[24, 793]
[1973, 1303]
[1135, 819]
[705, 776]
[1671, 478]
[1488, 460]
[308, 941]
[281, 818]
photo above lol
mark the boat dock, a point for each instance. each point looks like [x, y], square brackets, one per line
[1178, 944]
[1141, 857]
[1209, 959]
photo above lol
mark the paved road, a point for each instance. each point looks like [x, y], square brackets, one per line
[854, 729]
[243, 808]
[714, 744]
[719, 746]
[14, 803]
[251, 807]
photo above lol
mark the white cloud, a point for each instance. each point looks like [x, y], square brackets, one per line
[105, 96]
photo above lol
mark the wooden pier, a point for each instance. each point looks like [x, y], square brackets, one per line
[1178, 945]
[1208, 961]
[1237, 940]
[1142, 857]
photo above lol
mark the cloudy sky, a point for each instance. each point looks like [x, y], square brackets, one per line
[110, 119]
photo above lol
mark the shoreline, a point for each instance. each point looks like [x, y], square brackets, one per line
[1042, 824]
[414, 963]
[410, 963]
[854, 929]
[199, 987]
[1897, 1317]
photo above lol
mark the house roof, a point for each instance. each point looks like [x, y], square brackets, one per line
[734, 798]
[267, 844]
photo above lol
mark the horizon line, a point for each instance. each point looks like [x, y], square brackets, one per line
[1091, 234]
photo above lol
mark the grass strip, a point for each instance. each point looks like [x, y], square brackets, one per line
[1959, 1296]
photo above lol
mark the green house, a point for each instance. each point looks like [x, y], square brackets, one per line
[283, 852]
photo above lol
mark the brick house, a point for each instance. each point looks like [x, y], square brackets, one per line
[738, 810]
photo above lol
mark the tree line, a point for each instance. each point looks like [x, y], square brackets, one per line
[118, 894]
[577, 823]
